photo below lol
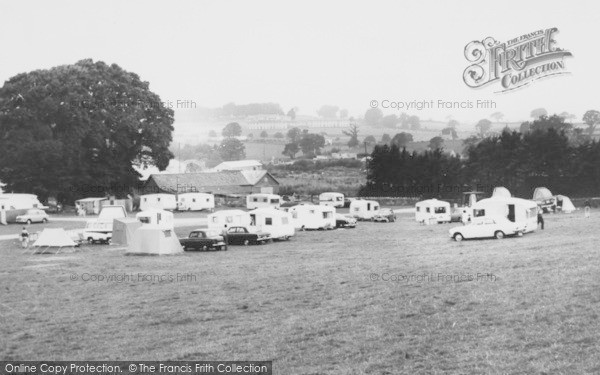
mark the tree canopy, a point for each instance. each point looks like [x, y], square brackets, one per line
[75, 127]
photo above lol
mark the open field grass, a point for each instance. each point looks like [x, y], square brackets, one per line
[322, 303]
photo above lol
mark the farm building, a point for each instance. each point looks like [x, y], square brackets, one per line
[239, 165]
[224, 183]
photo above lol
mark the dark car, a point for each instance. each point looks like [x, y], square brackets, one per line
[344, 221]
[385, 215]
[203, 240]
[242, 236]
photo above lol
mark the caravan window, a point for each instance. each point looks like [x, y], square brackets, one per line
[531, 212]
[368, 206]
[268, 221]
[194, 200]
[229, 219]
[427, 209]
[265, 200]
[145, 219]
[275, 201]
[295, 214]
[215, 219]
[418, 208]
[440, 210]
[207, 199]
[327, 214]
[158, 199]
[339, 199]
[479, 213]
[254, 199]
[375, 208]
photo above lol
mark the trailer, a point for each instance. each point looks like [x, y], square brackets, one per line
[260, 200]
[195, 202]
[364, 209]
[158, 201]
[310, 216]
[432, 211]
[331, 199]
[221, 220]
[276, 222]
[520, 211]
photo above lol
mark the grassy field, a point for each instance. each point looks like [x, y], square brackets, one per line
[334, 302]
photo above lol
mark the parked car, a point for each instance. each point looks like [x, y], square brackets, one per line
[486, 227]
[33, 216]
[203, 240]
[344, 221]
[385, 215]
[242, 236]
[96, 237]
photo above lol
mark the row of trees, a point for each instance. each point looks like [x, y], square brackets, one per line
[374, 117]
[547, 155]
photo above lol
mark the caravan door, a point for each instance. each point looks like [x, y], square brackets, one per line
[511, 212]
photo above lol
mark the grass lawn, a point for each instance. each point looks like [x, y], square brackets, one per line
[323, 302]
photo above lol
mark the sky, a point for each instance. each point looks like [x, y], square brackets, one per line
[309, 53]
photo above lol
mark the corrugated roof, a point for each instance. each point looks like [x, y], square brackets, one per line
[233, 165]
[197, 181]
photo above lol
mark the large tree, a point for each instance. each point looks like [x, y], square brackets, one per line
[310, 144]
[328, 111]
[373, 116]
[402, 139]
[232, 149]
[73, 128]
[591, 119]
[233, 129]
[483, 127]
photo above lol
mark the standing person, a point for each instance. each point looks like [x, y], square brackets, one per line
[540, 219]
[24, 238]
[587, 208]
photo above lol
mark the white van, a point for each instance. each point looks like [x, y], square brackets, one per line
[195, 202]
[260, 200]
[331, 199]
[101, 228]
[364, 209]
[159, 201]
[520, 211]
[273, 221]
[432, 210]
[310, 216]
[228, 218]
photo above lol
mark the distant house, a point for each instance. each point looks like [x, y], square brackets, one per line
[239, 165]
[226, 183]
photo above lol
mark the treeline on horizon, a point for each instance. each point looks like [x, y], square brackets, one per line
[551, 153]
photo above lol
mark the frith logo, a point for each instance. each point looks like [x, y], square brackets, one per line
[515, 63]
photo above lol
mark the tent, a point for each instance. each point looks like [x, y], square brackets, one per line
[150, 240]
[54, 238]
[541, 193]
[501, 191]
[124, 229]
[156, 234]
[565, 204]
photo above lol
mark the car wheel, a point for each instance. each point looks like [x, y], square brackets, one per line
[499, 234]
[458, 237]
[90, 240]
[44, 220]
[29, 221]
[246, 242]
[224, 247]
[302, 228]
[204, 248]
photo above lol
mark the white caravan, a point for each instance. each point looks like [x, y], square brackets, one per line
[260, 200]
[273, 221]
[310, 216]
[19, 202]
[519, 211]
[433, 210]
[158, 201]
[228, 218]
[364, 209]
[331, 199]
[195, 202]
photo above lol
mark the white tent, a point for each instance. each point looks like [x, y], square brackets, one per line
[565, 204]
[501, 191]
[150, 240]
[123, 230]
[541, 193]
[54, 237]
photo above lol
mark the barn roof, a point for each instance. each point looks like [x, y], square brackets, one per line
[171, 181]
